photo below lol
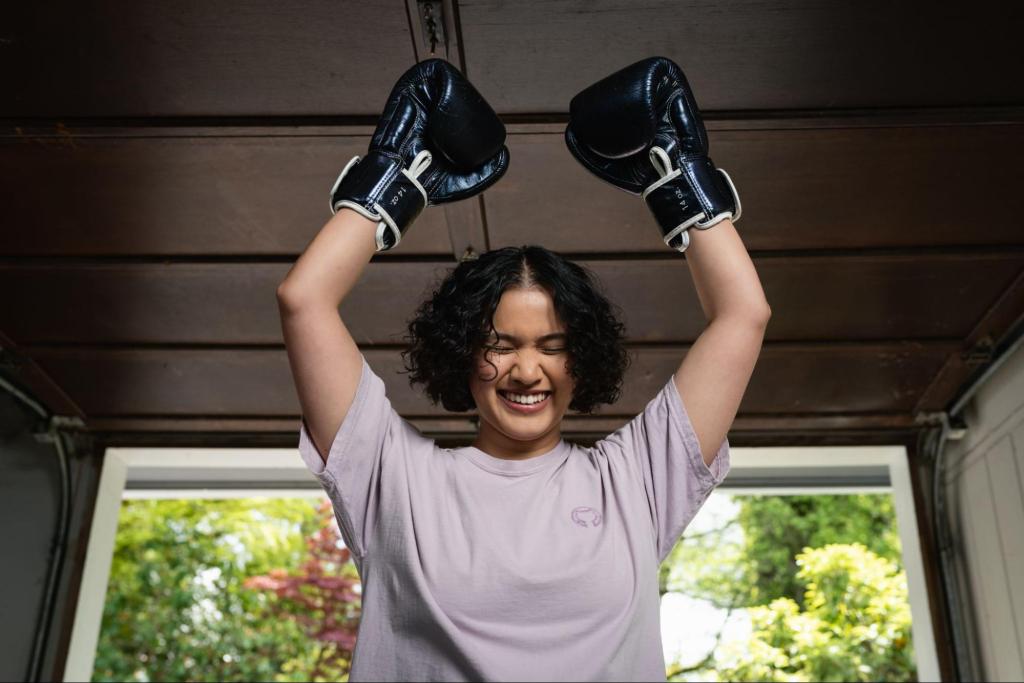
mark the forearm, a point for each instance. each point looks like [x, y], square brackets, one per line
[332, 263]
[723, 274]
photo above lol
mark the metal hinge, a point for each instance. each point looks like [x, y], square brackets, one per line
[432, 24]
[955, 426]
[979, 354]
[58, 424]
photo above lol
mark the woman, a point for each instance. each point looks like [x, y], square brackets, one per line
[522, 556]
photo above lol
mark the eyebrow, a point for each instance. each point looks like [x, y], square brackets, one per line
[547, 337]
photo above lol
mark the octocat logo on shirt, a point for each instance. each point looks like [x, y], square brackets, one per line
[586, 516]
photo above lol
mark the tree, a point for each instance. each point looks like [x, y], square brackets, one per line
[855, 625]
[176, 608]
[751, 560]
[764, 560]
[323, 598]
[778, 528]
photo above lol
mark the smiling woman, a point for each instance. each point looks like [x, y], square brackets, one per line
[515, 322]
[521, 556]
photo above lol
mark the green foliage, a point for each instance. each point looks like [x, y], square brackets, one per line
[778, 528]
[261, 590]
[751, 561]
[855, 627]
[323, 596]
[176, 606]
[821, 581]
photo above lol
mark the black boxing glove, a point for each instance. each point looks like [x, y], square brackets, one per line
[437, 141]
[640, 130]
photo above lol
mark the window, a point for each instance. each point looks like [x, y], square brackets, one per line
[176, 474]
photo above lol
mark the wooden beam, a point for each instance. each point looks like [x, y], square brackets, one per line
[794, 54]
[259, 195]
[846, 297]
[801, 379]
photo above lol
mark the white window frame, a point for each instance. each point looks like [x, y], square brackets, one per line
[224, 473]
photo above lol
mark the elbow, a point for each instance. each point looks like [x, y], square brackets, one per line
[291, 298]
[759, 315]
[287, 297]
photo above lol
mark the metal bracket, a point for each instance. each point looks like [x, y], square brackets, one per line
[979, 354]
[956, 428]
[431, 13]
[57, 424]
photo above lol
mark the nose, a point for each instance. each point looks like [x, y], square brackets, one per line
[526, 370]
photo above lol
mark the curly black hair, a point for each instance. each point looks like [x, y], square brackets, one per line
[451, 325]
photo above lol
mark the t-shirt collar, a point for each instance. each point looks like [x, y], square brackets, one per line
[515, 468]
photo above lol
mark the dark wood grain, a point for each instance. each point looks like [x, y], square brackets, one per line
[260, 194]
[789, 378]
[800, 189]
[822, 298]
[865, 429]
[195, 58]
[174, 195]
[532, 56]
[993, 330]
[18, 367]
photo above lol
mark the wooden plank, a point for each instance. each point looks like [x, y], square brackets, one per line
[925, 296]
[466, 227]
[182, 196]
[800, 189]
[229, 58]
[999, 319]
[234, 382]
[749, 55]
[862, 429]
[255, 194]
[172, 303]
[17, 367]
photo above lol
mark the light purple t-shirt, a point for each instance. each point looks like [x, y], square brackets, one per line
[476, 568]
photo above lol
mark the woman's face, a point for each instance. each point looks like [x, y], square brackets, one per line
[528, 360]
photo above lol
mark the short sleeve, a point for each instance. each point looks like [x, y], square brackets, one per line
[371, 443]
[676, 481]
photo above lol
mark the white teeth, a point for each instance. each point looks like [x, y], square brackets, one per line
[526, 400]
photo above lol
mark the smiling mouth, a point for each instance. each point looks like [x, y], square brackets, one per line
[525, 406]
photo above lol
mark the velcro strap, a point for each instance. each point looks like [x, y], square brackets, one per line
[674, 206]
[402, 200]
[378, 187]
[713, 194]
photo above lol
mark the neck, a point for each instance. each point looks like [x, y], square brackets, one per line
[499, 445]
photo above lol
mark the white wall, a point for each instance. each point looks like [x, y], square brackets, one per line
[984, 483]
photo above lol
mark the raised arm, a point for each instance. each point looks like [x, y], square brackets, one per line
[326, 363]
[714, 374]
[640, 130]
[437, 141]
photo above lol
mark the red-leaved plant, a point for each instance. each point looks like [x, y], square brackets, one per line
[322, 596]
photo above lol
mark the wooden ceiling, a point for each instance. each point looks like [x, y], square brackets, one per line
[164, 164]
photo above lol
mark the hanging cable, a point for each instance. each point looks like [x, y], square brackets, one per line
[60, 538]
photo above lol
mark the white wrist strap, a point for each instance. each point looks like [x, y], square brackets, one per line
[416, 168]
[384, 220]
[663, 165]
